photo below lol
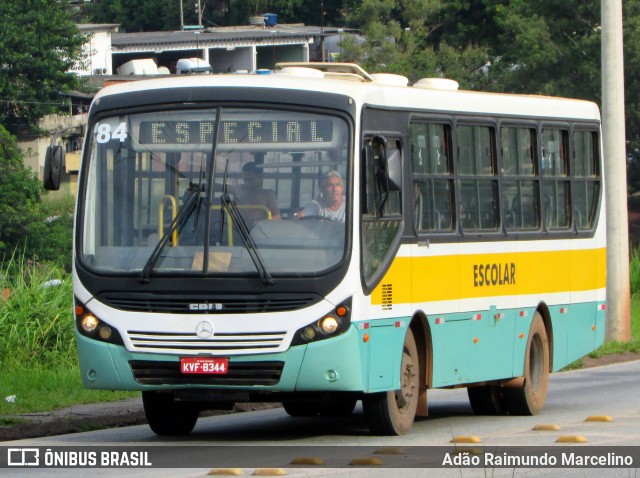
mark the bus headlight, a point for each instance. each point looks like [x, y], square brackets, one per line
[94, 328]
[89, 323]
[333, 324]
[329, 325]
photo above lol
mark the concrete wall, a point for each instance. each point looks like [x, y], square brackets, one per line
[229, 61]
[98, 53]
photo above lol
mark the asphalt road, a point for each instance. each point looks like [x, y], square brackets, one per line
[591, 408]
[269, 440]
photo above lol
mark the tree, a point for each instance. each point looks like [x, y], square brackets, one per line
[632, 90]
[406, 37]
[137, 16]
[547, 47]
[160, 15]
[28, 225]
[19, 196]
[39, 44]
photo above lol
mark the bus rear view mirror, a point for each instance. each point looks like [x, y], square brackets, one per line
[390, 172]
[53, 165]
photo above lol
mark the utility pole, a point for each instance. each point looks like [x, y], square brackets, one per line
[199, 14]
[615, 161]
[181, 17]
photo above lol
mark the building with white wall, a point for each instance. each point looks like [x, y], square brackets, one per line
[227, 49]
[98, 51]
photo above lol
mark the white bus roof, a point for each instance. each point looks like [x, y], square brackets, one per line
[381, 91]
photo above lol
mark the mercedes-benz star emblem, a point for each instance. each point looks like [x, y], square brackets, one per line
[204, 329]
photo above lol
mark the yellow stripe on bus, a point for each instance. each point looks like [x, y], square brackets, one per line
[453, 277]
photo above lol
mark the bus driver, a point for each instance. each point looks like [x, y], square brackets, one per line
[331, 203]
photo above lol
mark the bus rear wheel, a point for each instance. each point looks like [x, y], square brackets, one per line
[167, 416]
[529, 398]
[393, 412]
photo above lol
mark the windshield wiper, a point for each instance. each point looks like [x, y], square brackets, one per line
[229, 205]
[176, 225]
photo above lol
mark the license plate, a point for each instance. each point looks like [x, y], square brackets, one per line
[204, 365]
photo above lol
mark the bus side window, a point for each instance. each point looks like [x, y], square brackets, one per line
[432, 178]
[586, 178]
[477, 178]
[555, 179]
[520, 198]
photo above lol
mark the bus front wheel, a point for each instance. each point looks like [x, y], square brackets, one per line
[392, 413]
[167, 416]
[529, 398]
[486, 400]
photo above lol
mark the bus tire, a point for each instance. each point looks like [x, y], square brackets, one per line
[393, 412]
[529, 398]
[486, 400]
[167, 416]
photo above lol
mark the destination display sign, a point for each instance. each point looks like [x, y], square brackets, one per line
[236, 131]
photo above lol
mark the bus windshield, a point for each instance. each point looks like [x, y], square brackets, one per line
[218, 191]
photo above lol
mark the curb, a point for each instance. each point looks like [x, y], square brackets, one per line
[95, 416]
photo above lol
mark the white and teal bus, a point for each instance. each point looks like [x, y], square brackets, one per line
[471, 251]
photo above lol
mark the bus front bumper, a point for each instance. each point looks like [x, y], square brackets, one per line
[333, 365]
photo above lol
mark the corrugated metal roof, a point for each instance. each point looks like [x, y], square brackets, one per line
[201, 39]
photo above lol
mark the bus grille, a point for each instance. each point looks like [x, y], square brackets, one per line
[189, 342]
[207, 304]
[148, 372]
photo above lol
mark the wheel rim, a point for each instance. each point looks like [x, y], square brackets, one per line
[408, 384]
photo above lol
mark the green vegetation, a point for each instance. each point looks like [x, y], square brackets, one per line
[40, 44]
[38, 353]
[622, 347]
[41, 229]
[48, 388]
[19, 194]
[36, 318]
[634, 272]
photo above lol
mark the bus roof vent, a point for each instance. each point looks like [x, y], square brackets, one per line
[436, 84]
[390, 79]
[300, 71]
[348, 71]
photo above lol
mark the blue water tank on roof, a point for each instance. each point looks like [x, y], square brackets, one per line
[270, 19]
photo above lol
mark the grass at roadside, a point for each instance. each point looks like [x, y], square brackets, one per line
[28, 390]
[621, 347]
[38, 359]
